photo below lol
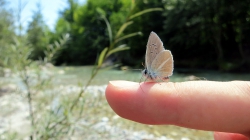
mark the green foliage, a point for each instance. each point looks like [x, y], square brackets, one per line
[6, 31]
[52, 50]
[88, 31]
[117, 49]
[20, 55]
[212, 31]
[144, 12]
[36, 80]
[95, 25]
[37, 34]
[120, 36]
[102, 57]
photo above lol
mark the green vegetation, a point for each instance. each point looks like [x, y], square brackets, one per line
[206, 34]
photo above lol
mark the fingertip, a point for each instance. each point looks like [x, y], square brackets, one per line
[145, 102]
[116, 89]
[120, 96]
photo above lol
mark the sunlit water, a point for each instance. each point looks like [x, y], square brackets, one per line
[74, 75]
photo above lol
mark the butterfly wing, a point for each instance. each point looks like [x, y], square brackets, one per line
[154, 47]
[162, 65]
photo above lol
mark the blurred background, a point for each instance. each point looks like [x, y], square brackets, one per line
[56, 58]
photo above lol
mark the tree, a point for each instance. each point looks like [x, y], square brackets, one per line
[210, 31]
[88, 32]
[37, 34]
[6, 31]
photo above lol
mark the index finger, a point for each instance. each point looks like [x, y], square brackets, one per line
[205, 105]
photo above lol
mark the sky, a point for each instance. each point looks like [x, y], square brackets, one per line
[50, 10]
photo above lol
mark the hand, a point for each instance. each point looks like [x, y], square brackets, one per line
[204, 105]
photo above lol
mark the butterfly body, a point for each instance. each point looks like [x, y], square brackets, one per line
[159, 62]
[152, 76]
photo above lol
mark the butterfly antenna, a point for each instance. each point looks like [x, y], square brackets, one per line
[143, 65]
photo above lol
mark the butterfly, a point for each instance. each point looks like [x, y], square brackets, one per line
[159, 62]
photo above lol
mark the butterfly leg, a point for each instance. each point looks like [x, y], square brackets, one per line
[165, 79]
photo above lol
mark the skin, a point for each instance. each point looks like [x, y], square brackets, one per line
[223, 107]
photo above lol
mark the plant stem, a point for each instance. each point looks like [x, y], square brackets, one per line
[95, 71]
[29, 96]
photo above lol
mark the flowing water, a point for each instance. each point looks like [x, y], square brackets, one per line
[73, 75]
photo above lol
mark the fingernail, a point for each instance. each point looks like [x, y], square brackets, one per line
[122, 83]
